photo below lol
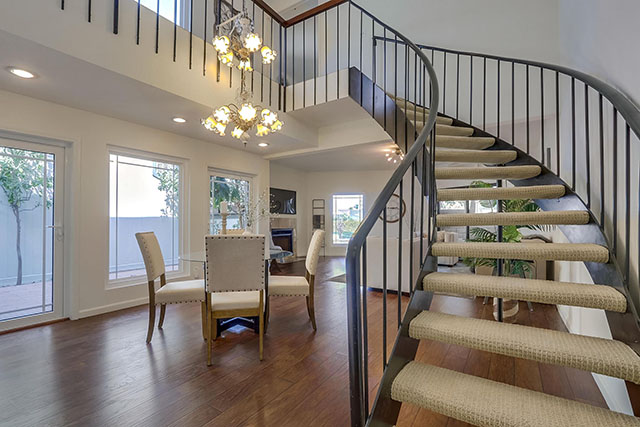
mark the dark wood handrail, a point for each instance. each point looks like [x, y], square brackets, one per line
[312, 12]
[269, 11]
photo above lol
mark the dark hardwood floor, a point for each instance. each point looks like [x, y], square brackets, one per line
[99, 371]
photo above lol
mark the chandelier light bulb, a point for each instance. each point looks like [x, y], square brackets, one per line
[237, 133]
[226, 58]
[209, 123]
[261, 130]
[268, 55]
[245, 65]
[220, 128]
[247, 112]
[222, 114]
[221, 44]
[252, 42]
[268, 117]
[276, 126]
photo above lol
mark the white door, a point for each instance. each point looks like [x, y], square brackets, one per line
[31, 233]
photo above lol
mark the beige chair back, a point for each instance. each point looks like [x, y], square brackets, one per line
[151, 254]
[234, 263]
[313, 253]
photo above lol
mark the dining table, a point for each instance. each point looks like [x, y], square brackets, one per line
[248, 322]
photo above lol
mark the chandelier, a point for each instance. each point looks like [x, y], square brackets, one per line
[236, 47]
[393, 154]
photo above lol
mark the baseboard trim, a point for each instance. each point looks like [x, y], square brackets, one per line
[88, 312]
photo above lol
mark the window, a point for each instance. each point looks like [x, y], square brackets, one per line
[144, 195]
[347, 215]
[168, 9]
[236, 191]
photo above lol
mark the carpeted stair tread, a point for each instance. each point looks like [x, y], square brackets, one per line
[541, 291]
[464, 142]
[503, 193]
[603, 356]
[586, 252]
[483, 402]
[498, 172]
[493, 157]
[450, 130]
[514, 218]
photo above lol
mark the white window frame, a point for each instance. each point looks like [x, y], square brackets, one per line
[333, 214]
[228, 174]
[183, 228]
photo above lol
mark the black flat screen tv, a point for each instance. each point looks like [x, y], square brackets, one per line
[283, 201]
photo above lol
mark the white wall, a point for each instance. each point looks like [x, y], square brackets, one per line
[89, 136]
[295, 180]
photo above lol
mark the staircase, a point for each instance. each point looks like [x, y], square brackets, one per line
[477, 400]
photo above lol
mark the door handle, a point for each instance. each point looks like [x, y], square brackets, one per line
[58, 231]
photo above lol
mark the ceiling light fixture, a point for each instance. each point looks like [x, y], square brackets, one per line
[22, 73]
[179, 120]
[263, 144]
[393, 154]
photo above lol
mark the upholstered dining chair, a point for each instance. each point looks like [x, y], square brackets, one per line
[234, 278]
[168, 293]
[235, 231]
[298, 285]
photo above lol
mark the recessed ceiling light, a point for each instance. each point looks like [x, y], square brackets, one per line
[179, 120]
[21, 73]
[263, 144]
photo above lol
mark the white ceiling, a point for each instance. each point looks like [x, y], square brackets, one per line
[352, 158]
[69, 81]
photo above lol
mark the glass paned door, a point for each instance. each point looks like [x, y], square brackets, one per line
[31, 184]
[236, 191]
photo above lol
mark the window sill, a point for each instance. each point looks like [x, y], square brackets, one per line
[142, 280]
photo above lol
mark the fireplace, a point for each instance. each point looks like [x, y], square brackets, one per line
[283, 237]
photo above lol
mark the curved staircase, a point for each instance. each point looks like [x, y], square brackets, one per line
[477, 400]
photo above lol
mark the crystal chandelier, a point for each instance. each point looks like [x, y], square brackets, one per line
[393, 154]
[236, 47]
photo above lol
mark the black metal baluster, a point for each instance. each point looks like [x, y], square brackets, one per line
[615, 180]
[326, 64]
[285, 55]
[338, 52]
[513, 103]
[400, 255]
[374, 70]
[88, 10]
[384, 288]
[191, 34]
[500, 262]
[587, 144]
[444, 83]
[498, 100]
[253, 19]
[457, 85]
[61, 4]
[384, 72]
[395, 89]
[365, 330]
[471, 90]
[293, 67]
[627, 228]
[415, 96]
[157, 23]
[484, 93]
[116, 14]
[271, 65]
[360, 62]
[411, 221]
[304, 63]
[175, 28]
[137, 24]
[542, 112]
[204, 40]
[262, 63]
[602, 190]
[423, 186]
[527, 111]
[573, 133]
[558, 123]
[315, 60]
[406, 96]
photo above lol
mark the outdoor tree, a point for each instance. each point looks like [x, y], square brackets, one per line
[169, 183]
[25, 186]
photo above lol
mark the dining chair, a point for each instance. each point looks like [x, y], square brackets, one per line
[234, 278]
[235, 231]
[299, 285]
[168, 293]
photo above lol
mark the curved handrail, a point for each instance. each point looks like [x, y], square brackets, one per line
[627, 108]
[358, 240]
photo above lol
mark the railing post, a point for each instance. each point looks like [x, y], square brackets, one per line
[354, 334]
